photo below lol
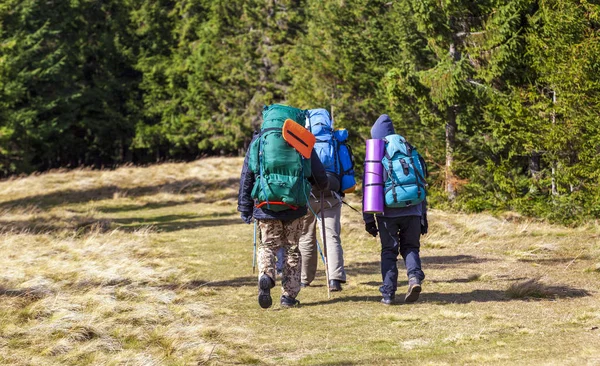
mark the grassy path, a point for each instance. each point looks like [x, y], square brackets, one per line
[151, 266]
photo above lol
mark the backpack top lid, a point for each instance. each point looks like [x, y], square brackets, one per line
[396, 143]
[276, 114]
[320, 121]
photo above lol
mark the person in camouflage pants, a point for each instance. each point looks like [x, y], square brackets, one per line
[279, 229]
[277, 234]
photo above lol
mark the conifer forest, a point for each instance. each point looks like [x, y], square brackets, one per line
[502, 98]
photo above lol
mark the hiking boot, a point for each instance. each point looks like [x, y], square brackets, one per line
[388, 299]
[414, 289]
[289, 302]
[335, 285]
[265, 284]
[304, 285]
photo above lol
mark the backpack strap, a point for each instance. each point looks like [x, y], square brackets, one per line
[260, 205]
[390, 170]
[262, 132]
[260, 168]
[405, 168]
[391, 177]
[374, 184]
[344, 172]
[423, 165]
[418, 176]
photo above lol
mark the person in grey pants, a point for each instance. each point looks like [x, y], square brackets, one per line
[332, 210]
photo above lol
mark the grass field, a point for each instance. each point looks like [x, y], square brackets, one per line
[152, 266]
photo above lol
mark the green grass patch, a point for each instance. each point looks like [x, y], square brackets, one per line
[153, 266]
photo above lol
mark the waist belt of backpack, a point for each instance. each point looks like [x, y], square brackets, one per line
[260, 205]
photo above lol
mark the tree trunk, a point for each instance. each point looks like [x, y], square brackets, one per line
[450, 145]
[534, 171]
[554, 164]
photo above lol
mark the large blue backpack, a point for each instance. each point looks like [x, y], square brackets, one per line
[406, 170]
[332, 148]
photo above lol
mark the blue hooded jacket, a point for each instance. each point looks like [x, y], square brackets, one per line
[384, 127]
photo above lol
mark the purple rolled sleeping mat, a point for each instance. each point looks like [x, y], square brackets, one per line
[373, 193]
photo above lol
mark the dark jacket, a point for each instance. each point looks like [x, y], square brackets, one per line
[384, 127]
[333, 186]
[246, 204]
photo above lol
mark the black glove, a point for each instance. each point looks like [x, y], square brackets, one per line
[247, 217]
[424, 224]
[371, 228]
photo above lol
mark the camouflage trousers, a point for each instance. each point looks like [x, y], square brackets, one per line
[277, 234]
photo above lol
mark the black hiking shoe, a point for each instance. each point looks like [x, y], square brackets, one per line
[289, 302]
[265, 284]
[388, 300]
[335, 285]
[414, 289]
[304, 285]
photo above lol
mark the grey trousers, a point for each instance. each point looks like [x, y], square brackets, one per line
[308, 240]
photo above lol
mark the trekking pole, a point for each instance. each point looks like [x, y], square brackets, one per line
[324, 243]
[353, 209]
[254, 251]
[320, 252]
[345, 203]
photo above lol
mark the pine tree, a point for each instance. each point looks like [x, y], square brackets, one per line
[66, 84]
[340, 62]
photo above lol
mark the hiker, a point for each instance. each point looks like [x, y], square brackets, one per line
[274, 187]
[399, 227]
[328, 146]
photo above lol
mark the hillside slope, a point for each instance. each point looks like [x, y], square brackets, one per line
[152, 266]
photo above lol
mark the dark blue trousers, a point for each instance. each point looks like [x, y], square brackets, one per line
[399, 235]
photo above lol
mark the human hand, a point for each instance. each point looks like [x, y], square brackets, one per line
[247, 217]
[371, 228]
[424, 224]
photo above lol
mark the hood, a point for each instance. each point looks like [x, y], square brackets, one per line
[382, 127]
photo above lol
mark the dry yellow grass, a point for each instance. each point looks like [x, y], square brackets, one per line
[152, 266]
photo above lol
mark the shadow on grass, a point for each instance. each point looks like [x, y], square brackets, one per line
[377, 284]
[363, 268]
[475, 279]
[344, 299]
[73, 196]
[158, 205]
[354, 362]
[29, 227]
[32, 293]
[553, 261]
[553, 292]
[371, 283]
[83, 225]
[196, 284]
[453, 259]
[171, 223]
[500, 296]
[370, 268]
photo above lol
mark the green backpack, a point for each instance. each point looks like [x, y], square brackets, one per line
[281, 172]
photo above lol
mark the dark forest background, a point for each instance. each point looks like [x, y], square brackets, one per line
[501, 97]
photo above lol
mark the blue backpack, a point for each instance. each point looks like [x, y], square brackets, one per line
[332, 149]
[406, 171]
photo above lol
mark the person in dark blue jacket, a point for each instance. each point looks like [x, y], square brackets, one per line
[399, 231]
[280, 229]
